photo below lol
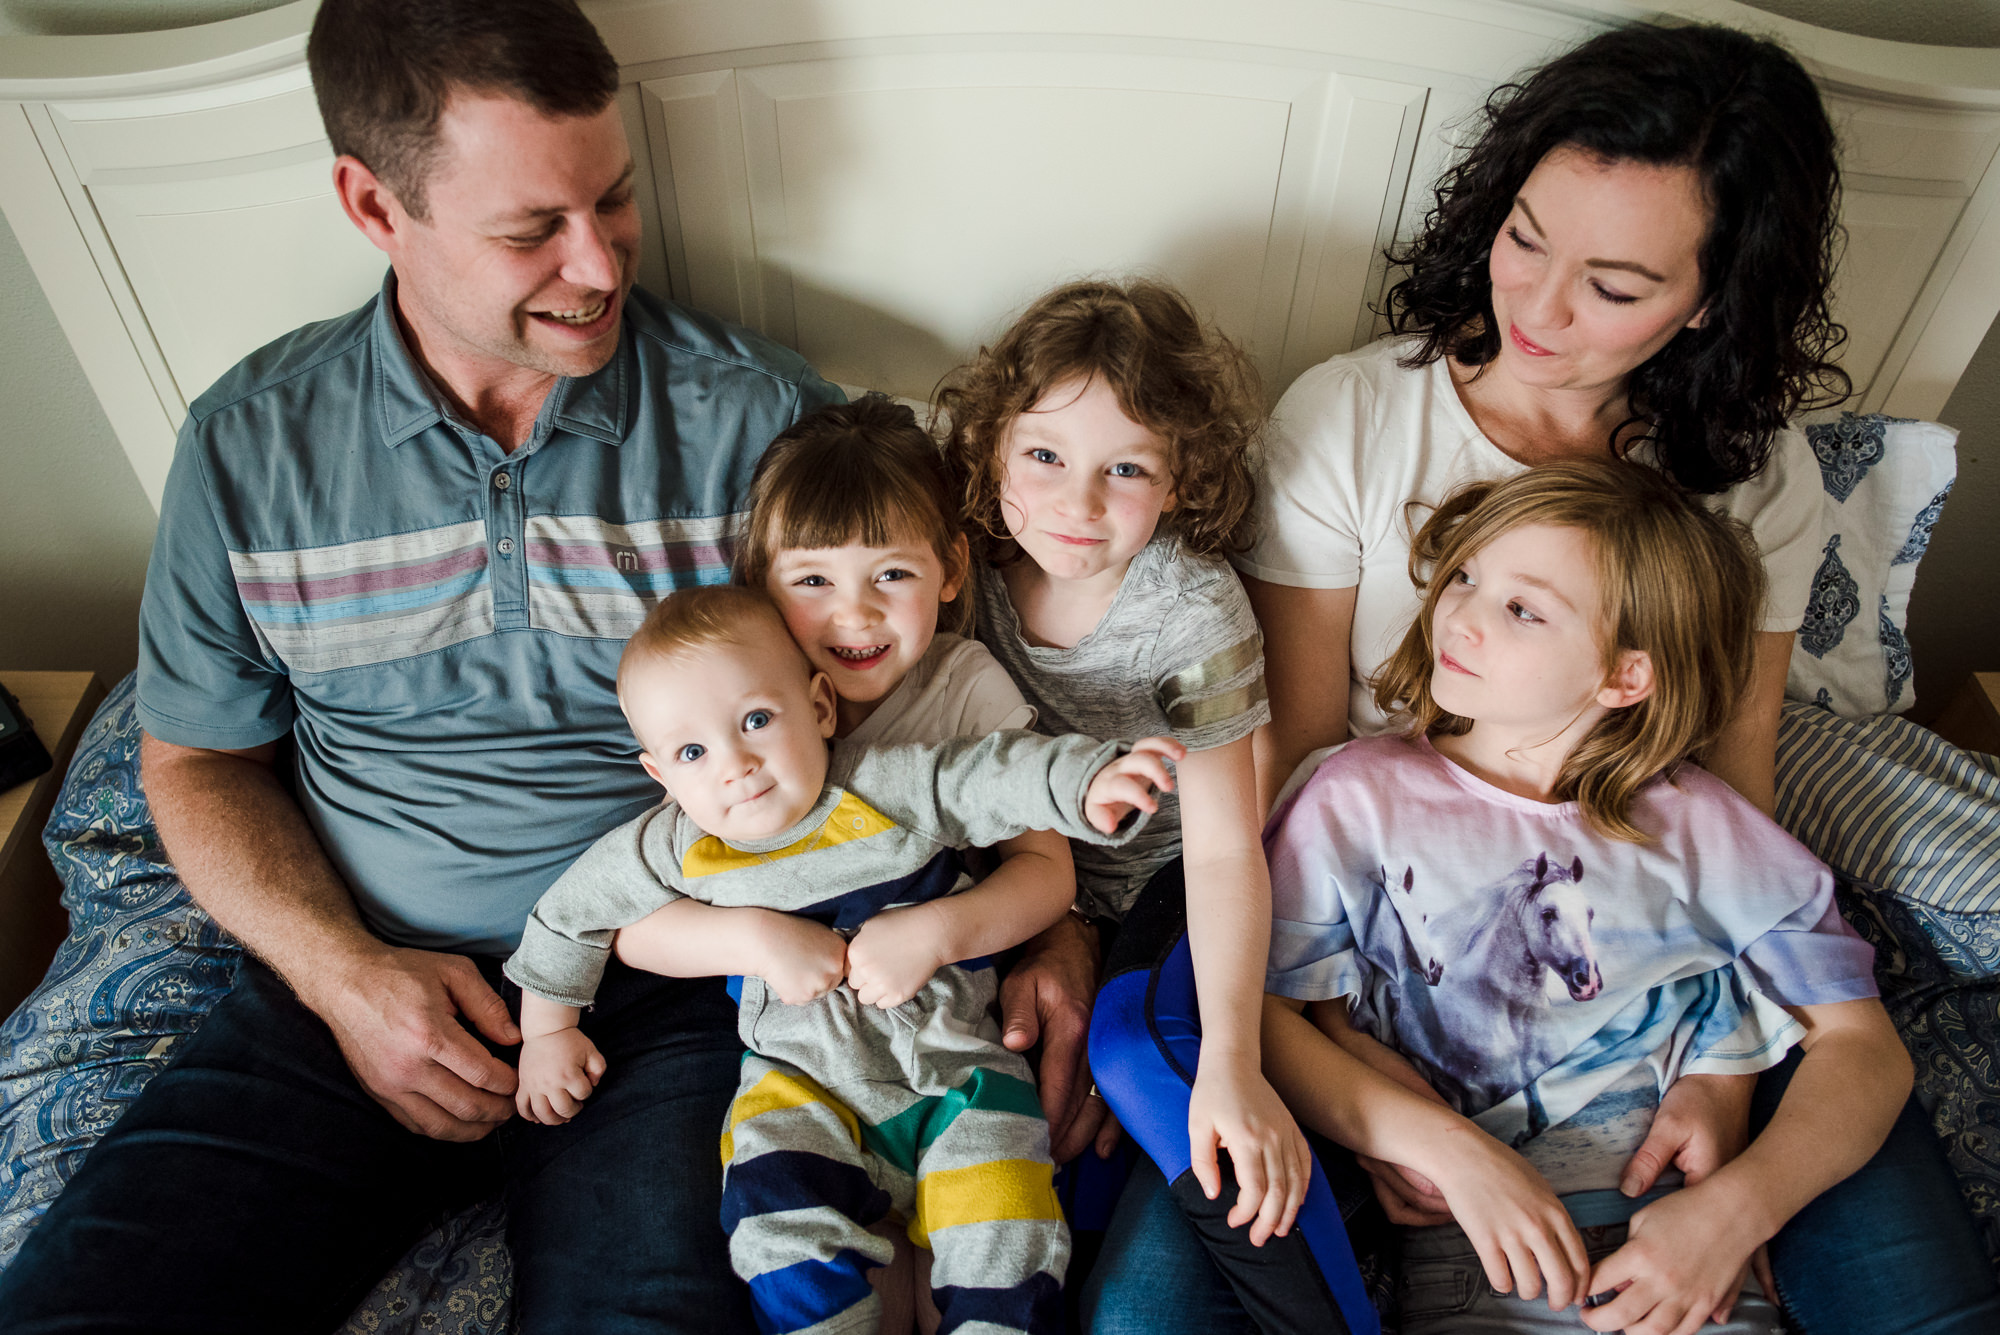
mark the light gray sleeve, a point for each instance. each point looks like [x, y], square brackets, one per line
[620, 879]
[982, 790]
[1208, 662]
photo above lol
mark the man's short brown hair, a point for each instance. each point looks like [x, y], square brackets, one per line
[384, 69]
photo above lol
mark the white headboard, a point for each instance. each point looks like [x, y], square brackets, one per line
[880, 183]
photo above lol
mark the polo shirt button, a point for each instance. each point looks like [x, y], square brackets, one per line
[502, 481]
[506, 546]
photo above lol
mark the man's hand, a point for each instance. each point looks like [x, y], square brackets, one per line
[559, 1070]
[894, 955]
[1128, 783]
[800, 960]
[400, 1018]
[1046, 999]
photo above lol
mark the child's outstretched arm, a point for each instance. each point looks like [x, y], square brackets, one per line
[1687, 1249]
[896, 952]
[800, 959]
[1233, 1107]
[560, 1066]
[1525, 1239]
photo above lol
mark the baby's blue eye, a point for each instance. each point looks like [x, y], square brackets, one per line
[1044, 456]
[755, 719]
[1127, 470]
[691, 752]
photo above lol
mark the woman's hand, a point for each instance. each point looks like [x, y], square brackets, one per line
[1682, 1265]
[1234, 1108]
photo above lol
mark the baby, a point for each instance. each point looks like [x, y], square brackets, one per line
[845, 1110]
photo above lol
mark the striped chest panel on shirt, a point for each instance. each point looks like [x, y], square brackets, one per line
[320, 609]
[595, 579]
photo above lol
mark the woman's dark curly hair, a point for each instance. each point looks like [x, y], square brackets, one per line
[1182, 381]
[1742, 113]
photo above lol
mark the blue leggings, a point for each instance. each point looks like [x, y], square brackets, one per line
[1891, 1249]
[1145, 1040]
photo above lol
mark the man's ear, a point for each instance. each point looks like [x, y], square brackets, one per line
[956, 569]
[371, 206]
[1630, 680]
[824, 702]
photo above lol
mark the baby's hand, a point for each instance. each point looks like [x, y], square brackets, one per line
[803, 960]
[558, 1072]
[1525, 1239]
[1682, 1263]
[1236, 1109]
[1127, 783]
[894, 955]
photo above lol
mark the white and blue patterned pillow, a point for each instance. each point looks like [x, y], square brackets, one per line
[141, 968]
[1885, 482]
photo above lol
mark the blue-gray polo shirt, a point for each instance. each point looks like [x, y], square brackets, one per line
[435, 621]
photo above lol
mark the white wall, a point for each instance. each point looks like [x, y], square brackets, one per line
[75, 528]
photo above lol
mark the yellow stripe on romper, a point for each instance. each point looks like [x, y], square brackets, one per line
[982, 1193]
[782, 1089]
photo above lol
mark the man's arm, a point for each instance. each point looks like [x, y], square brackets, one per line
[247, 856]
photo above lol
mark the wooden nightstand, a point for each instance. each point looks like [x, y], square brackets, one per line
[1972, 719]
[31, 917]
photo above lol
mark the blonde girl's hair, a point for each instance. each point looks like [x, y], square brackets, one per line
[861, 472]
[1679, 583]
[1185, 382]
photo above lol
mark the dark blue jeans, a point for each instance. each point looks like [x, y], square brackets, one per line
[254, 1187]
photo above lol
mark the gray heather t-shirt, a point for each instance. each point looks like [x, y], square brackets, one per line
[1177, 654]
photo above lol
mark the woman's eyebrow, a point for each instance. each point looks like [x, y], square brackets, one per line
[1628, 266]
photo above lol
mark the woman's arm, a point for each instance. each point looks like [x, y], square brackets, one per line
[1687, 1248]
[1229, 938]
[1306, 634]
[1745, 756]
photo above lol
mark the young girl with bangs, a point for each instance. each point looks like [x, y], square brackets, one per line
[1103, 444]
[1534, 896]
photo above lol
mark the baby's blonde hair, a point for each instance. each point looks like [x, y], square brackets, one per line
[1679, 583]
[695, 618]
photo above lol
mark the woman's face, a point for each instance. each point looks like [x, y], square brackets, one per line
[1595, 269]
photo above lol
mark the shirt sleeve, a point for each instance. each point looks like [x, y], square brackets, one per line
[1208, 662]
[1307, 519]
[620, 879]
[979, 791]
[1785, 508]
[983, 697]
[206, 678]
[1812, 957]
[1314, 956]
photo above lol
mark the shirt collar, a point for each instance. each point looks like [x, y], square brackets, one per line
[596, 405]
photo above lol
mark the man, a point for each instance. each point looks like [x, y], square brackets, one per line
[412, 540]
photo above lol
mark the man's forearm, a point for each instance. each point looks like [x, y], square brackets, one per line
[247, 856]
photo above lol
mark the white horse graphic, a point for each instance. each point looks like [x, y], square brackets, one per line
[1492, 997]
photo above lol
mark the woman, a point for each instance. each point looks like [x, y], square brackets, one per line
[1633, 259]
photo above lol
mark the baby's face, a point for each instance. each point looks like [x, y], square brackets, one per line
[735, 732]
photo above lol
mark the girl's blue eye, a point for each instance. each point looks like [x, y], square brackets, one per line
[896, 574]
[693, 751]
[755, 719]
[1520, 613]
[813, 581]
[1127, 470]
[1459, 576]
[1044, 456]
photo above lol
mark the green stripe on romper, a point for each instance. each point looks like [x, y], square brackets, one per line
[910, 1132]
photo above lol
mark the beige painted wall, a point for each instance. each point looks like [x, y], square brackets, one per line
[75, 528]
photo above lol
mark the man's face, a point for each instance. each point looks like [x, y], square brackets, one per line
[532, 240]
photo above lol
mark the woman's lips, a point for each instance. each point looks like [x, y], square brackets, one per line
[1522, 342]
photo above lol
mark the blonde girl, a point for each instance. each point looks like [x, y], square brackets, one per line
[1535, 897]
[1102, 443]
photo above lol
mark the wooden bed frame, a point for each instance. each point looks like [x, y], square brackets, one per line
[879, 183]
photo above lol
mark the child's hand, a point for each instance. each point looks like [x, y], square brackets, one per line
[1234, 1108]
[558, 1072]
[1127, 783]
[802, 960]
[1525, 1239]
[1682, 1264]
[894, 955]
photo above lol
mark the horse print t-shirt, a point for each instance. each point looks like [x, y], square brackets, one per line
[1548, 981]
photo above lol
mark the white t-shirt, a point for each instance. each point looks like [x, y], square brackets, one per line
[957, 689]
[1357, 438]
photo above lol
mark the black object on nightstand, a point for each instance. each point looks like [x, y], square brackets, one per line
[22, 755]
